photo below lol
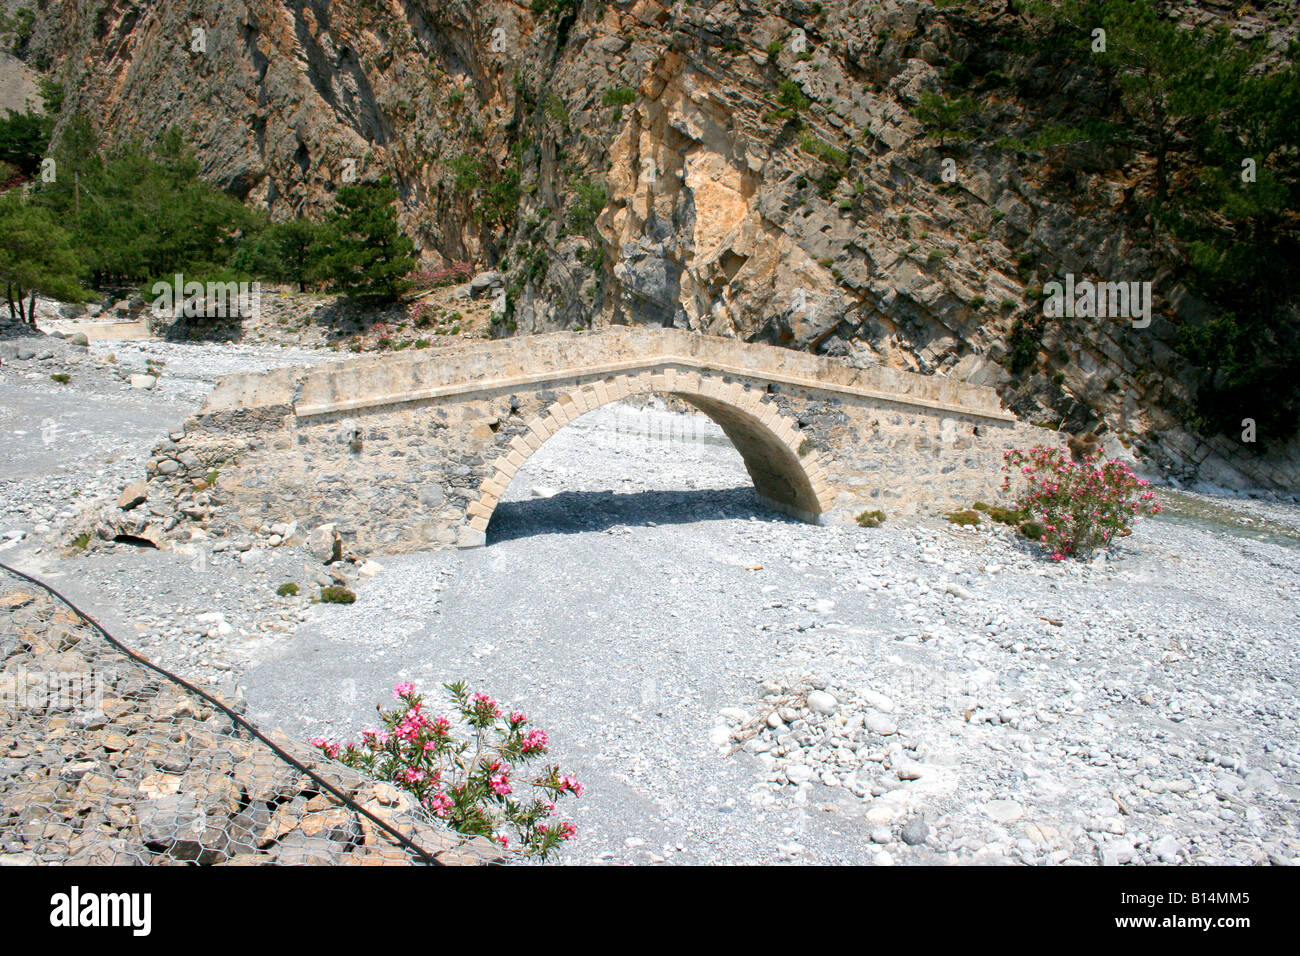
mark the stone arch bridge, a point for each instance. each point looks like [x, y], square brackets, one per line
[413, 450]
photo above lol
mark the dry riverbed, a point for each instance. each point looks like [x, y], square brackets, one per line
[731, 685]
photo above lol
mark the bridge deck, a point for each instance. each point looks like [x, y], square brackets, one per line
[560, 357]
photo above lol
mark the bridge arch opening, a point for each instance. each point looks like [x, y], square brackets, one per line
[784, 468]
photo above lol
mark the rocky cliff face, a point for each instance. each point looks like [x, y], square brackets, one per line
[736, 168]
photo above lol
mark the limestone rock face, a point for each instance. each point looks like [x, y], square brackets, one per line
[729, 167]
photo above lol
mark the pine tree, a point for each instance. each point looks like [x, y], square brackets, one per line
[36, 256]
[295, 246]
[945, 119]
[366, 256]
[24, 138]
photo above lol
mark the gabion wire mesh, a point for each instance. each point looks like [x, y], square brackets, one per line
[106, 761]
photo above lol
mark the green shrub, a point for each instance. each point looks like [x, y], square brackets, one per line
[467, 173]
[1023, 346]
[1033, 530]
[792, 100]
[555, 108]
[588, 201]
[1007, 516]
[336, 594]
[823, 151]
[871, 519]
[63, 378]
[618, 96]
[287, 590]
[791, 97]
[945, 119]
[965, 519]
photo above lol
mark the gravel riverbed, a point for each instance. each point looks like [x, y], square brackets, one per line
[733, 686]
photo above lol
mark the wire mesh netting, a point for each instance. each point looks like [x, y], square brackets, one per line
[106, 760]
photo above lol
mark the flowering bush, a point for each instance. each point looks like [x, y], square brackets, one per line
[1080, 505]
[453, 274]
[468, 780]
[423, 314]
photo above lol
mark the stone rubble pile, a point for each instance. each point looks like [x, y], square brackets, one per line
[103, 761]
[810, 731]
[181, 504]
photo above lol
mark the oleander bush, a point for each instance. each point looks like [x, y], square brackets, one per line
[468, 771]
[1079, 506]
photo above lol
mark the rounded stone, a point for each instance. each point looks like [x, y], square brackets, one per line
[915, 831]
[822, 702]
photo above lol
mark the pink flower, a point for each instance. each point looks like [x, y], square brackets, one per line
[410, 775]
[403, 690]
[413, 722]
[330, 748]
[567, 830]
[534, 742]
[439, 803]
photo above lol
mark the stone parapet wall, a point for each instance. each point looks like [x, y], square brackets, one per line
[389, 378]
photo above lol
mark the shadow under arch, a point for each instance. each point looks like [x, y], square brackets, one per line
[581, 512]
[786, 472]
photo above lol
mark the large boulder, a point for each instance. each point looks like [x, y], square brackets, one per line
[485, 282]
[325, 544]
